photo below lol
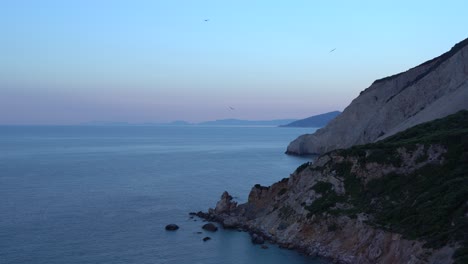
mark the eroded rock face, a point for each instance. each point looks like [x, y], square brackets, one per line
[429, 91]
[225, 204]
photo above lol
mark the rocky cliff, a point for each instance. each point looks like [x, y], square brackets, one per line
[434, 89]
[400, 200]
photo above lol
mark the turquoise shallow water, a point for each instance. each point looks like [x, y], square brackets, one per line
[104, 194]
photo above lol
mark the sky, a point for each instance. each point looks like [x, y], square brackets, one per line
[78, 61]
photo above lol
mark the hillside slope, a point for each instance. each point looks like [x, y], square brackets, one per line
[400, 200]
[314, 121]
[434, 89]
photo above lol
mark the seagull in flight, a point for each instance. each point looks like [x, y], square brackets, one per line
[232, 108]
[332, 50]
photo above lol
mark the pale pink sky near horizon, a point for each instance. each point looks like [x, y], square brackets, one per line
[75, 107]
[72, 62]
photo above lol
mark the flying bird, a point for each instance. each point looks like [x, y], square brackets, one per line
[206, 20]
[332, 50]
[232, 108]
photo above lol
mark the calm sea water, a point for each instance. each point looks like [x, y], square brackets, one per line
[105, 194]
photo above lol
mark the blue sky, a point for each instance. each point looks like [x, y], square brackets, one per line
[68, 62]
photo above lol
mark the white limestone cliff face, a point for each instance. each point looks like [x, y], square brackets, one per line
[429, 91]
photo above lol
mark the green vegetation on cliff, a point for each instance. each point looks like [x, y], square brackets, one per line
[428, 204]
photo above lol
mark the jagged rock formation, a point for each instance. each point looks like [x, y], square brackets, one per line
[434, 89]
[400, 200]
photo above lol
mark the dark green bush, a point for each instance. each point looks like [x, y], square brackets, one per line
[322, 187]
[282, 191]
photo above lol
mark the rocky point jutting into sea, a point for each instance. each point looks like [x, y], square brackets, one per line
[401, 199]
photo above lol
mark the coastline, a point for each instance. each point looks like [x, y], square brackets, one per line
[340, 240]
[400, 200]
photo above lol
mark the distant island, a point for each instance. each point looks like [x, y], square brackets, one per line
[314, 121]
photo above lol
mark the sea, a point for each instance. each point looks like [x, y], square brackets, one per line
[104, 194]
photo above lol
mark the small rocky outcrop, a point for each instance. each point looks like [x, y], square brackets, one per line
[257, 239]
[172, 227]
[210, 227]
[226, 212]
[225, 204]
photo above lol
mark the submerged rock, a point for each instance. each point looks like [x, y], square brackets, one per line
[210, 227]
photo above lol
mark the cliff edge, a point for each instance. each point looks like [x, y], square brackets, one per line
[434, 89]
[400, 200]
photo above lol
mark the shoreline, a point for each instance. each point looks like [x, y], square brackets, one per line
[259, 237]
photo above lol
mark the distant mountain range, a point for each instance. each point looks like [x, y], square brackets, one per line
[221, 122]
[238, 122]
[105, 123]
[314, 121]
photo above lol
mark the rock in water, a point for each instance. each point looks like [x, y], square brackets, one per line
[210, 227]
[257, 239]
[172, 227]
